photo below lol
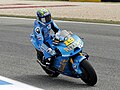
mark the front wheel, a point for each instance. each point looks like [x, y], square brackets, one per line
[89, 75]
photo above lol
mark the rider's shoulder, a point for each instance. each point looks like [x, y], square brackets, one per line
[52, 21]
[36, 22]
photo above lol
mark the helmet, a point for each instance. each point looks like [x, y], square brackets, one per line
[43, 15]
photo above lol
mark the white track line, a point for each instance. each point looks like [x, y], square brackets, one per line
[9, 84]
[64, 21]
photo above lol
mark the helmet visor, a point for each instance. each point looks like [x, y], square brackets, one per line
[48, 18]
[45, 19]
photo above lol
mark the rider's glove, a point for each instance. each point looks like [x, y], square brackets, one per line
[57, 35]
[52, 52]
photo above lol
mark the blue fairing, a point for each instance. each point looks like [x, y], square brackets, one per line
[77, 61]
[65, 53]
[62, 64]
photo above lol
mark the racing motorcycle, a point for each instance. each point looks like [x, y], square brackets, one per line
[70, 60]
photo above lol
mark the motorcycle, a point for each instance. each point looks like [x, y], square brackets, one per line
[70, 60]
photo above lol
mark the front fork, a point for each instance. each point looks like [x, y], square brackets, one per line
[76, 63]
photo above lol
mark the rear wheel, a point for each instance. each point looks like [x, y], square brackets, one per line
[50, 73]
[89, 75]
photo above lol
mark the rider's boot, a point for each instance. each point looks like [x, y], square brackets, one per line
[48, 62]
[39, 55]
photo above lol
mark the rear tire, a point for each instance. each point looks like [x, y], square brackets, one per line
[50, 73]
[89, 75]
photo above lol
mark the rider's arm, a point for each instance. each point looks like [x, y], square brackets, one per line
[54, 27]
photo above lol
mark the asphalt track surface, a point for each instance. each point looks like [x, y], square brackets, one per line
[18, 57]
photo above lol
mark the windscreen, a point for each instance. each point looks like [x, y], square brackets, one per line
[65, 33]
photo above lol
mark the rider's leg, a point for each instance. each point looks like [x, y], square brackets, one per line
[48, 60]
[39, 55]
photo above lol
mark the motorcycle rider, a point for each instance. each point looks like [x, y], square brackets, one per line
[42, 26]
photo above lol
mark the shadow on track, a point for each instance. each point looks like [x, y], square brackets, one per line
[46, 82]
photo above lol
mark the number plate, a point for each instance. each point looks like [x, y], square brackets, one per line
[69, 41]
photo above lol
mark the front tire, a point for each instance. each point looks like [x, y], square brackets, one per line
[89, 75]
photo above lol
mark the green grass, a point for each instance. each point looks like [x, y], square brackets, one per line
[69, 19]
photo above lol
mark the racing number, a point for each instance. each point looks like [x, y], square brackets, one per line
[69, 41]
